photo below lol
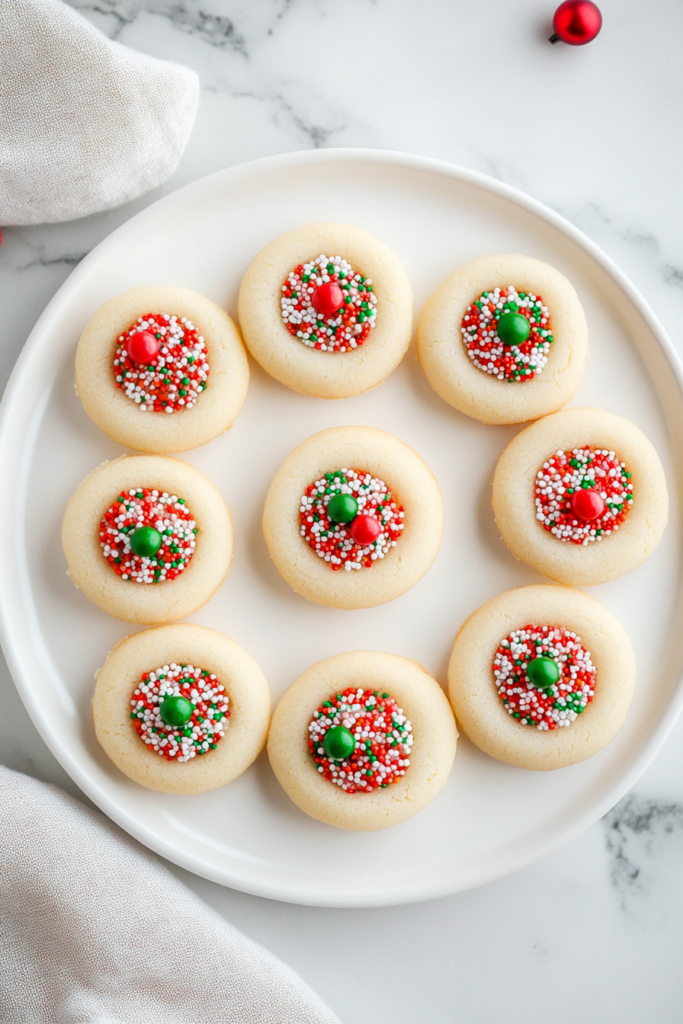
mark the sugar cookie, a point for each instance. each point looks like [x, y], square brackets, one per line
[181, 709]
[581, 496]
[382, 538]
[155, 349]
[541, 677]
[325, 324]
[530, 365]
[387, 777]
[148, 538]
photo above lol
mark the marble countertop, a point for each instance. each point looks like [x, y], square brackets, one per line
[592, 932]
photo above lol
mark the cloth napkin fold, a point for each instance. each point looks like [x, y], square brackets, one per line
[85, 124]
[97, 931]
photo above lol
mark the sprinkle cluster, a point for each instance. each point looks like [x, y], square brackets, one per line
[208, 722]
[486, 350]
[178, 373]
[168, 514]
[555, 706]
[588, 468]
[383, 737]
[344, 330]
[332, 541]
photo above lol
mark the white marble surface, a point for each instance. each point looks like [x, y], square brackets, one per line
[593, 932]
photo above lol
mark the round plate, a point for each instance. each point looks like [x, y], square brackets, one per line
[491, 818]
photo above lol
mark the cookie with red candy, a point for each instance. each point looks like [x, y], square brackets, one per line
[581, 496]
[326, 309]
[161, 369]
[353, 518]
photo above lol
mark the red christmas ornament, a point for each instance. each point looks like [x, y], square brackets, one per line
[587, 505]
[327, 298]
[576, 22]
[142, 347]
[365, 529]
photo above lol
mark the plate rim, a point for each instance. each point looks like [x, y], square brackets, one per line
[11, 643]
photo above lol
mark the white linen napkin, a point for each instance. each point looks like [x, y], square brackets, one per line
[97, 931]
[85, 124]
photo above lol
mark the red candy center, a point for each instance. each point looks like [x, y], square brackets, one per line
[327, 298]
[587, 505]
[142, 347]
[369, 536]
[583, 495]
[365, 529]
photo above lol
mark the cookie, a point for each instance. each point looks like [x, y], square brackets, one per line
[529, 365]
[581, 496]
[181, 709]
[148, 538]
[161, 369]
[327, 309]
[353, 518]
[541, 677]
[387, 752]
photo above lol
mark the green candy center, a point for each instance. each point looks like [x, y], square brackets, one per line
[513, 329]
[145, 542]
[543, 673]
[342, 508]
[339, 743]
[176, 711]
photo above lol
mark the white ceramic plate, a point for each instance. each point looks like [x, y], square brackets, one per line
[491, 819]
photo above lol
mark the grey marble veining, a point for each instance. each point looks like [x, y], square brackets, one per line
[593, 932]
[114, 16]
[641, 832]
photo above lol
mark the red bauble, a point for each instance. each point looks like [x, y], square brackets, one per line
[365, 529]
[587, 505]
[142, 347]
[327, 298]
[576, 22]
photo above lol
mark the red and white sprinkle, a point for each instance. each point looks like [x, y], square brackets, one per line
[168, 514]
[344, 330]
[486, 350]
[176, 376]
[383, 738]
[559, 705]
[332, 541]
[566, 472]
[204, 729]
